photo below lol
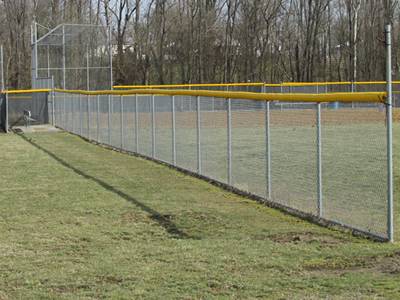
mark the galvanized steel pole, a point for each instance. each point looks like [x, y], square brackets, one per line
[64, 114]
[53, 98]
[121, 99]
[6, 125]
[2, 86]
[319, 162]
[229, 140]
[111, 56]
[88, 118]
[389, 133]
[173, 131]
[268, 146]
[48, 61]
[80, 115]
[63, 57]
[198, 135]
[136, 124]
[87, 69]
[98, 118]
[153, 128]
[109, 119]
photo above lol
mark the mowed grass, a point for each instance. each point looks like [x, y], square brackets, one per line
[81, 221]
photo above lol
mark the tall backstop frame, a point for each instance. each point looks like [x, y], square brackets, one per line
[72, 56]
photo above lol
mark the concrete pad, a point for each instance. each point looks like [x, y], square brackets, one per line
[36, 128]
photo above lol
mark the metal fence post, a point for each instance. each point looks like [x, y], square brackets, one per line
[6, 125]
[121, 99]
[73, 113]
[64, 114]
[229, 140]
[53, 116]
[173, 131]
[198, 135]
[268, 149]
[153, 129]
[53, 106]
[319, 162]
[136, 124]
[80, 115]
[109, 119]
[2, 83]
[98, 118]
[88, 116]
[389, 133]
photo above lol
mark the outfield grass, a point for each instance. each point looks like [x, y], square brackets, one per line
[80, 221]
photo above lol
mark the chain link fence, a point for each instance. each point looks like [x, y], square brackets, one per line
[313, 159]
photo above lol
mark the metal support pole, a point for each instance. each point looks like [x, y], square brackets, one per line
[111, 62]
[136, 124]
[173, 131]
[36, 51]
[87, 69]
[121, 99]
[109, 119]
[229, 139]
[6, 127]
[80, 115]
[53, 98]
[2, 86]
[63, 57]
[389, 133]
[53, 114]
[319, 162]
[73, 113]
[153, 129]
[198, 135]
[88, 116]
[63, 69]
[64, 114]
[98, 118]
[48, 61]
[268, 149]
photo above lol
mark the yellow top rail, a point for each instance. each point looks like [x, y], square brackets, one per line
[33, 91]
[377, 97]
[293, 97]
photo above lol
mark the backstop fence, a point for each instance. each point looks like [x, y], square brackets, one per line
[327, 164]
[73, 56]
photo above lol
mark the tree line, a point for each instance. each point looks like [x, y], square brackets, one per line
[204, 41]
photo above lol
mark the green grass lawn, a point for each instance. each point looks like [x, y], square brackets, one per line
[81, 221]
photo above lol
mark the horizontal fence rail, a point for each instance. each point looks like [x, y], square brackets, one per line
[312, 159]
[284, 87]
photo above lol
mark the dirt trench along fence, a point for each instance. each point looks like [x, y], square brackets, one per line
[329, 165]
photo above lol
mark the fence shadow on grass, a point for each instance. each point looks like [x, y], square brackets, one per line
[162, 220]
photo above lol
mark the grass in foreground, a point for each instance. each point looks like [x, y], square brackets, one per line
[80, 221]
